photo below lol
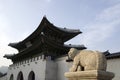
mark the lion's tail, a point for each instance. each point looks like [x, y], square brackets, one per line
[101, 61]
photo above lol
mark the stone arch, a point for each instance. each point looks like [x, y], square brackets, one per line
[20, 76]
[11, 77]
[31, 76]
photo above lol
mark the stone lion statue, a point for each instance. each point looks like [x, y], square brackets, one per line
[87, 60]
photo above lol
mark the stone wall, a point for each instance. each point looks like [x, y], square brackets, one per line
[63, 67]
[37, 65]
[114, 66]
[52, 70]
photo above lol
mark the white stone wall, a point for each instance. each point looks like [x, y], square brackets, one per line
[63, 67]
[114, 66]
[53, 70]
[44, 69]
[38, 66]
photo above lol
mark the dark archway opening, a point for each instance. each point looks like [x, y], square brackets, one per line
[11, 77]
[20, 76]
[31, 76]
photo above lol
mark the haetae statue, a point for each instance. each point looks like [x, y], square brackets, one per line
[84, 60]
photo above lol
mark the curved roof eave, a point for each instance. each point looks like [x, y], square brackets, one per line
[73, 32]
[79, 47]
[76, 31]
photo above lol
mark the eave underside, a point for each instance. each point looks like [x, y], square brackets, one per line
[45, 46]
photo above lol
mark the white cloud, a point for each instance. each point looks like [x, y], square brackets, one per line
[4, 49]
[110, 14]
[103, 27]
[4, 39]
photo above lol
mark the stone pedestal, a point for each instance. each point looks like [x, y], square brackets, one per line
[89, 75]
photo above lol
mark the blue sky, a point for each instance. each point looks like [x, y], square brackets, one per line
[99, 20]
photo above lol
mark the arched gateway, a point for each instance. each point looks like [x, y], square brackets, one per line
[11, 77]
[20, 76]
[31, 76]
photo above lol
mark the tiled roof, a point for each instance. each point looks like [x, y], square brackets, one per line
[113, 55]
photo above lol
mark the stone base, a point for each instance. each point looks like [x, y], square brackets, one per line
[89, 75]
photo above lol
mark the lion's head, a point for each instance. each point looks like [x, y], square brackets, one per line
[72, 53]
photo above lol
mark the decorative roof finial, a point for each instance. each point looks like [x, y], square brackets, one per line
[44, 16]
